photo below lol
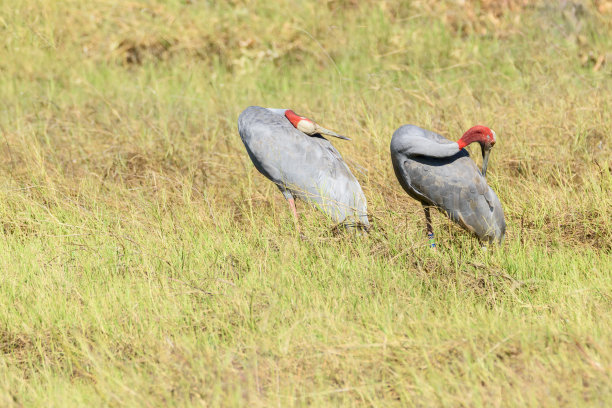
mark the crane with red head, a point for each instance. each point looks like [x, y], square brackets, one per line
[440, 173]
[292, 152]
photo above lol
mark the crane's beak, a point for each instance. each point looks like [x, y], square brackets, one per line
[486, 151]
[323, 131]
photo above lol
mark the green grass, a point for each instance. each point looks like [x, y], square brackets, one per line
[145, 262]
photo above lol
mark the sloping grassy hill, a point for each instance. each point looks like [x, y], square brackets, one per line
[145, 262]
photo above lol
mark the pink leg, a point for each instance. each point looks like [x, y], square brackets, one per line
[291, 202]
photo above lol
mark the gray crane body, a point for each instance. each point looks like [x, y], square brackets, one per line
[304, 166]
[434, 171]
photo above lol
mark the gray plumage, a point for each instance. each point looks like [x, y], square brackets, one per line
[434, 171]
[301, 165]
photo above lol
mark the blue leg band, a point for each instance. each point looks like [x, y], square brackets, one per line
[432, 242]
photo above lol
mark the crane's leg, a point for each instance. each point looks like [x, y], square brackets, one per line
[291, 201]
[430, 234]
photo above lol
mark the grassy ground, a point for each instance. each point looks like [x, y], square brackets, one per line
[145, 262]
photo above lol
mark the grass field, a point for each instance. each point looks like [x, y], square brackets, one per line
[145, 262]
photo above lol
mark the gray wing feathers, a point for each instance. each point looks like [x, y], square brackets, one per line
[308, 167]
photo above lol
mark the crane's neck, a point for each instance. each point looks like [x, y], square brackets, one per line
[420, 146]
[442, 149]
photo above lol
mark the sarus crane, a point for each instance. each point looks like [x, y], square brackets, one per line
[440, 173]
[290, 150]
